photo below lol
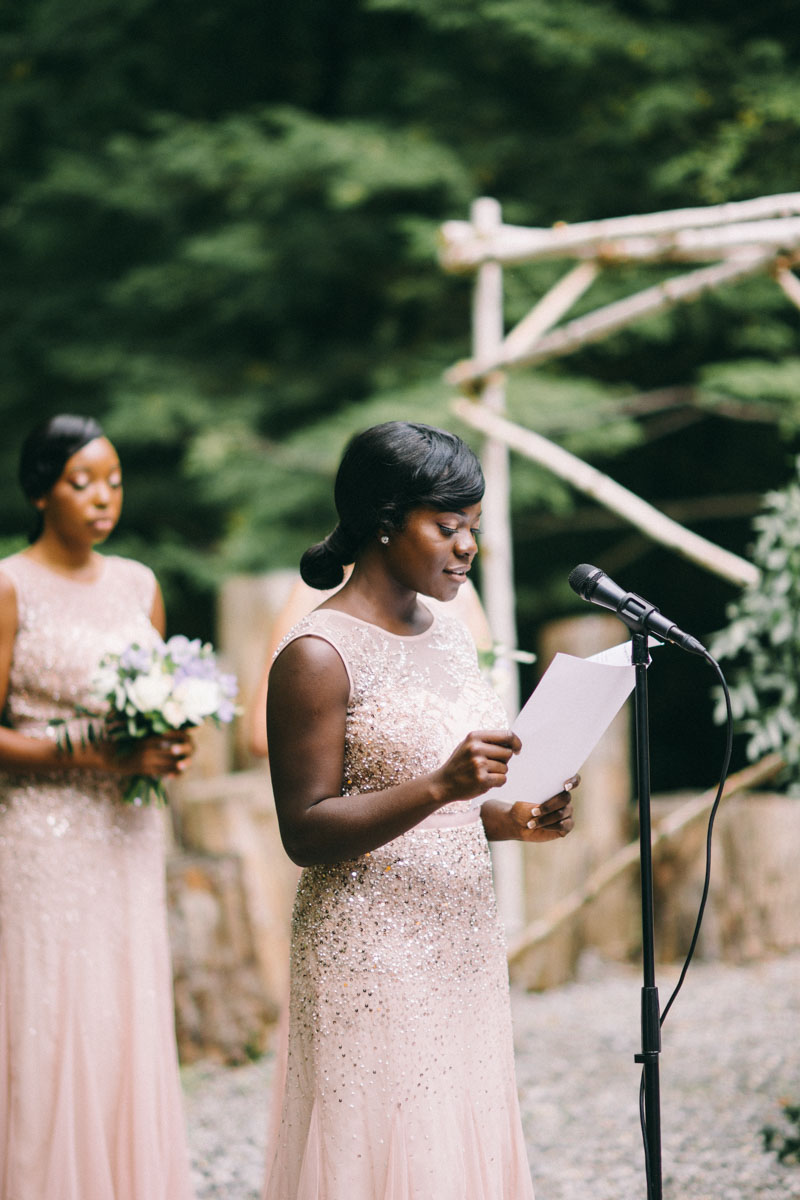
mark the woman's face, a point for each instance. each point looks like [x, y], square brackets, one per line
[85, 502]
[433, 552]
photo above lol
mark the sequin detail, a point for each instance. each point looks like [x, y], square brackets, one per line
[400, 1078]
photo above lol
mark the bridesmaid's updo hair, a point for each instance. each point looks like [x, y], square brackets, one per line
[45, 452]
[385, 472]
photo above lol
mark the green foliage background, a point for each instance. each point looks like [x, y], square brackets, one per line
[218, 230]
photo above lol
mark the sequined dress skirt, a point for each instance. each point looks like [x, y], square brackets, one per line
[90, 1107]
[400, 1077]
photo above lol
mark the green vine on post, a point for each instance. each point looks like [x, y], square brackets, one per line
[762, 639]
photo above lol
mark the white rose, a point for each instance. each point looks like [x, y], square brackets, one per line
[148, 693]
[198, 698]
[104, 683]
[173, 713]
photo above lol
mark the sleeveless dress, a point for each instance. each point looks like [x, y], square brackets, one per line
[400, 1077]
[90, 1101]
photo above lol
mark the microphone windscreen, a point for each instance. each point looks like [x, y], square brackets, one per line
[581, 576]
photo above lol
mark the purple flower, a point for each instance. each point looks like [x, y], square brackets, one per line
[230, 686]
[135, 659]
[196, 668]
[182, 651]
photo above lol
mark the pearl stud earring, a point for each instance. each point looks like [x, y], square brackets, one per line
[385, 539]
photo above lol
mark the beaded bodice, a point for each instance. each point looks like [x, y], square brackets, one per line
[63, 629]
[412, 699]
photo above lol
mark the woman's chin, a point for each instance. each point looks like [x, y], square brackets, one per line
[443, 590]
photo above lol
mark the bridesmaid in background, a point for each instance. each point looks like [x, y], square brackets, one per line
[382, 732]
[90, 1101]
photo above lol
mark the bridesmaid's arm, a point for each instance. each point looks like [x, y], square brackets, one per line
[158, 616]
[18, 752]
[306, 714]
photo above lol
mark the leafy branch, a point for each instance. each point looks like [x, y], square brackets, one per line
[762, 638]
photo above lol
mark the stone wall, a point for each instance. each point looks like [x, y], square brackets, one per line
[754, 903]
[222, 1009]
[231, 888]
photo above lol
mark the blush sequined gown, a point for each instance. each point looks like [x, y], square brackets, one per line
[400, 1077]
[90, 1102]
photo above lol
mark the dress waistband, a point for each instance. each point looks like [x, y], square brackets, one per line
[445, 820]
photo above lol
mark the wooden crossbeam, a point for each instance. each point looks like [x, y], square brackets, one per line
[603, 321]
[464, 248]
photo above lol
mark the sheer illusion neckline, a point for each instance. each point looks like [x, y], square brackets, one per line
[402, 637]
[73, 579]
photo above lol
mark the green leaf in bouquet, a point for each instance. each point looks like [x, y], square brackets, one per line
[143, 790]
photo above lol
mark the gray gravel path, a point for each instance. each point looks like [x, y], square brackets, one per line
[730, 1053]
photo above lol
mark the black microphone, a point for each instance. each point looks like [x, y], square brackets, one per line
[595, 586]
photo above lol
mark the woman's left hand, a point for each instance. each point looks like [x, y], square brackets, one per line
[546, 821]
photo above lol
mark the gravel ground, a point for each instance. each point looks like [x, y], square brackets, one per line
[730, 1053]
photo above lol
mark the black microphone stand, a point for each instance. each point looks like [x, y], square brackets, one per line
[651, 1019]
[640, 617]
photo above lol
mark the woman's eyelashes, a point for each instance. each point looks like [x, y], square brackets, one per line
[79, 483]
[450, 532]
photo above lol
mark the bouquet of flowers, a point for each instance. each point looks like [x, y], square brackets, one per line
[152, 690]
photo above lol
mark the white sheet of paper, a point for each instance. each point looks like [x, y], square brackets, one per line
[568, 712]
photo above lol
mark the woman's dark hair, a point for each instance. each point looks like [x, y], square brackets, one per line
[46, 450]
[385, 472]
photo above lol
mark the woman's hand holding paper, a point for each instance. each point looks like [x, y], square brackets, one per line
[526, 822]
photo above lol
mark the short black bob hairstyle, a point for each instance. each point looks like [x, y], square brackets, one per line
[45, 453]
[385, 472]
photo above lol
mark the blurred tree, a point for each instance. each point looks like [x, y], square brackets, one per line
[218, 229]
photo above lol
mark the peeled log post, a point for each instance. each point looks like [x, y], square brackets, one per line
[628, 857]
[497, 548]
[497, 551]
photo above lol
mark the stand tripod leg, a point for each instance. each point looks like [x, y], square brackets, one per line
[651, 1090]
[651, 1024]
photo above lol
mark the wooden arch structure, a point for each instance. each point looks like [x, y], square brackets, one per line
[721, 244]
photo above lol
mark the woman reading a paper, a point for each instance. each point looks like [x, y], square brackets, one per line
[382, 732]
